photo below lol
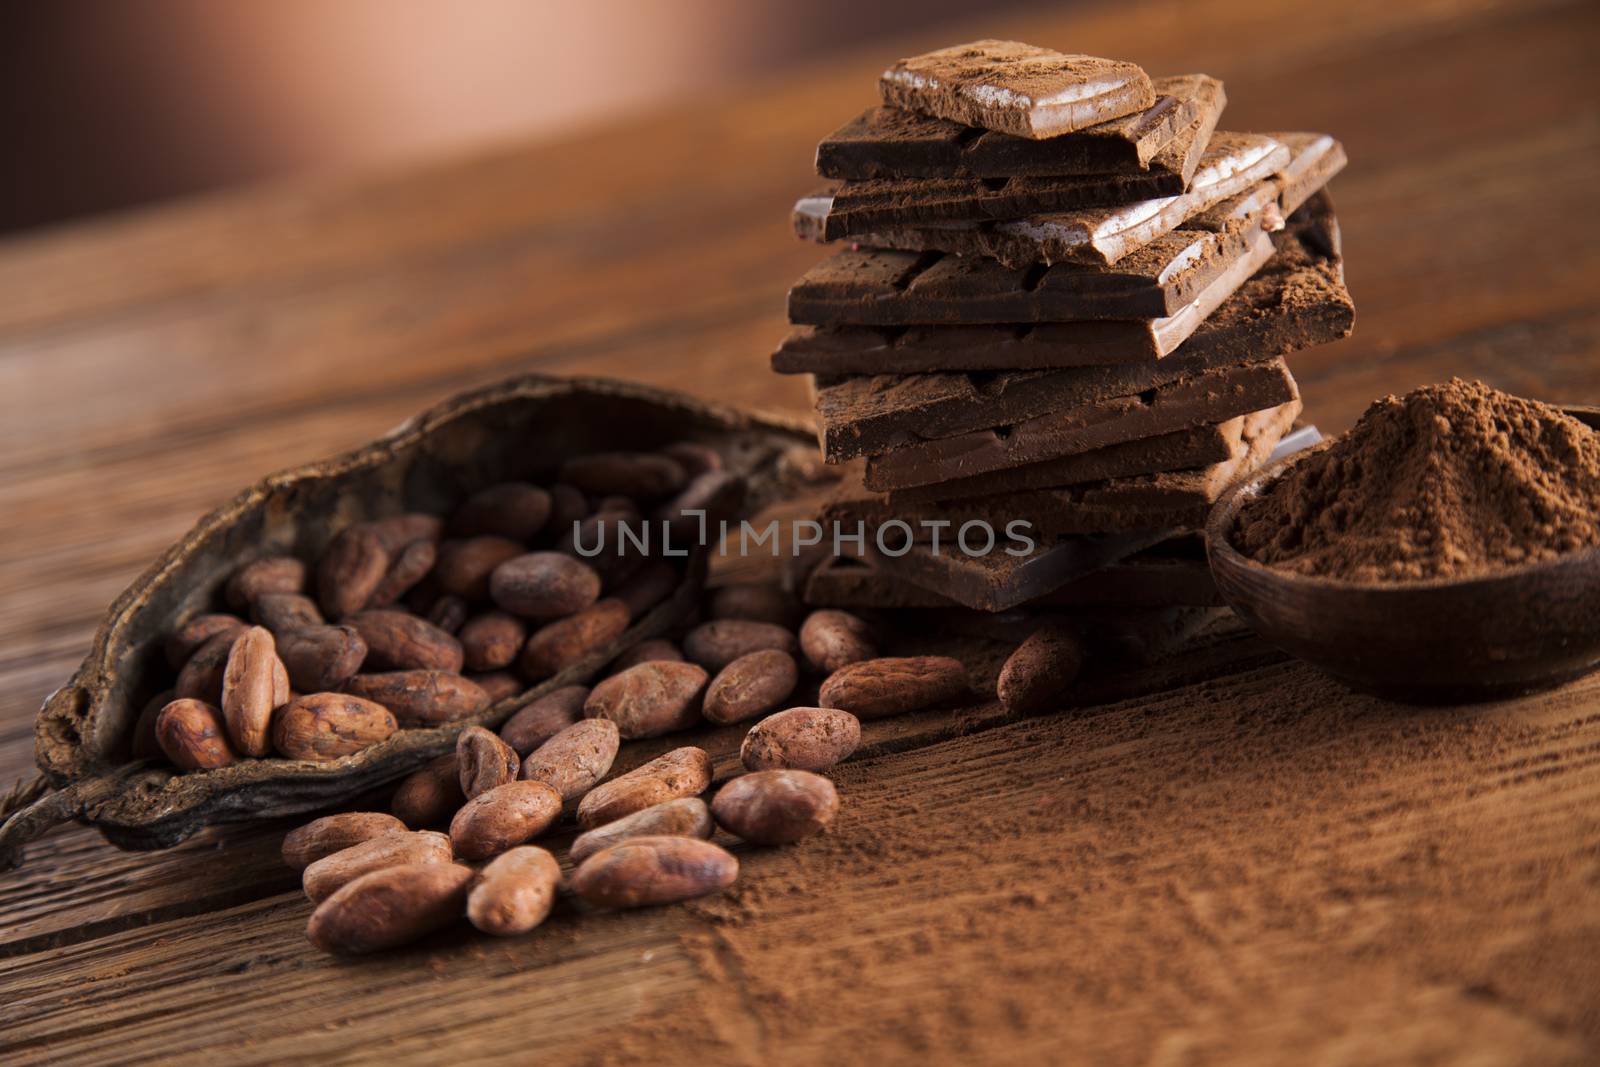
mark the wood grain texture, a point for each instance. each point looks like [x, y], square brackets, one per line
[1441, 907]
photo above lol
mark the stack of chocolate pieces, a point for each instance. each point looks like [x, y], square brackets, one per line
[1063, 298]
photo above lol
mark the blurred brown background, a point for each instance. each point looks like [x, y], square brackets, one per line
[108, 105]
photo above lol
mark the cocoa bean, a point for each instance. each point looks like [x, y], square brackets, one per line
[351, 568]
[683, 772]
[1041, 671]
[805, 739]
[574, 760]
[498, 684]
[649, 700]
[390, 907]
[187, 639]
[398, 531]
[755, 603]
[431, 795]
[410, 565]
[567, 508]
[694, 457]
[448, 612]
[613, 542]
[642, 475]
[398, 640]
[201, 677]
[515, 892]
[254, 682]
[321, 658]
[463, 567]
[326, 876]
[545, 717]
[484, 761]
[284, 613]
[421, 698]
[193, 735]
[654, 870]
[507, 815]
[718, 643]
[652, 583]
[775, 807]
[558, 645]
[684, 817]
[514, 510]
[656, 650]
[544, 585]
[270, 574]
[832, 639]
[325, 726]
[334, 833]
[491, 642]
[877, 688]
[751, 685]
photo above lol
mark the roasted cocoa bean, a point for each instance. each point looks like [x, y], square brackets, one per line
[325, 726]
[270, 574]
[410, 565]
[649, 700]
[321, 658]
[560, 644]
[683, 772]
[254, 682]
[877, 688]
[398, 531]
[421, 698]
[545, 717]
[718, 643]
[201, 677]
[805, 739]
[642, 475]
[498, 684]
[654, 870]
[574, 760]
[390, 907]
[684, 817]
[648, 586]
[193, 735]
[751, 685]
[351, 568]
[398, 640]
[567, 508]
[694, 457]
[326, 876]
[188, 639]
[284, 613]
[491, 642]
[464, 566]
[544, 585]
[484, 761]
[775, 807]
[755, 603]
[448, 612]
[431, 795]
[656, 650]
[1041, 671]
[832, 639]
[334, 833]
[515, 892]
[505, 816]
[514, 510]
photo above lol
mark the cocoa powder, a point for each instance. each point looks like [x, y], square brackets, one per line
[1449, 481]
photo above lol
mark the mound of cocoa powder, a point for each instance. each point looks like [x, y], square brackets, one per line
[1448, 481]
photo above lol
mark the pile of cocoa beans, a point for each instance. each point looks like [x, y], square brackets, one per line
[415, 620]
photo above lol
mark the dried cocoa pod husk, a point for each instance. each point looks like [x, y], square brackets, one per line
[522, 429]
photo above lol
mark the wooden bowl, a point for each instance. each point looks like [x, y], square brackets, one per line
[1438, 641]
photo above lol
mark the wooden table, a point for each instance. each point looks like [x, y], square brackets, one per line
[1159, 880]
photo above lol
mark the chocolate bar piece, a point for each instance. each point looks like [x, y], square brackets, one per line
[995, 581]
[1314, 159]
[1208, 397]
[869, 287]
[1017, 88]
[889, 142]
[1233, 162]
[1298, 300]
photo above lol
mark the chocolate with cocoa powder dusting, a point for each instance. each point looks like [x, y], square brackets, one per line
[1449, 481]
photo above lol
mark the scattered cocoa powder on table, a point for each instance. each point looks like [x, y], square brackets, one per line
[1449, 481]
